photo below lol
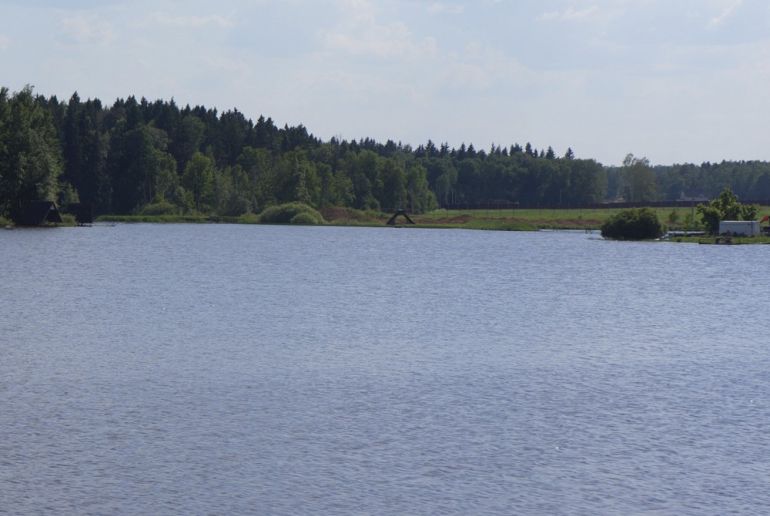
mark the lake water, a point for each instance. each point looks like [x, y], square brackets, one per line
[226, 369]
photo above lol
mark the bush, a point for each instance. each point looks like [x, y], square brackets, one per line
[710, 217]
[235, 205]
[635, 224]
[305, 219]
[159, 208]
[285, 213]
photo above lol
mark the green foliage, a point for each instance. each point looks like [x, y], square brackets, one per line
[189, 136]
[161, 207]
[68, 219]
[297, 179]
[285, 213]
[633, 224]
[195, 218]
[418, 195]
[710, 217]
[249, 218]
[257, 165]
[198, 179]
[749, 211]
[142, 171]
[136, 152]
[67, 195]
[234, 204]
[305, 219]
[689, 221]
[30, 156]
[725, 207]
[639, 183]
[727, 204]
[673, 217]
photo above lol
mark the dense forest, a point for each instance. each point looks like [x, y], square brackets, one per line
[137, 156]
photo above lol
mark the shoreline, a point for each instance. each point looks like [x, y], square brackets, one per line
[570, 219]
[490, 220]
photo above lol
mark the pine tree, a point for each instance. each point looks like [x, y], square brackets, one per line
[529, 151]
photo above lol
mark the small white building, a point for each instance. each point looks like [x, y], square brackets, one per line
[739, 227]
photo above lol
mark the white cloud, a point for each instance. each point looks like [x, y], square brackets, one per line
[413, 69]
[87, 28]
[570, 14]
[191, 22]
[361, 34]
[444, 8]
[233, 66]
[478, 68]
[384, 41]
[727, 11]
[357, 11]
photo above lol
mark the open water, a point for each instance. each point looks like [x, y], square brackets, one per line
[226, 369]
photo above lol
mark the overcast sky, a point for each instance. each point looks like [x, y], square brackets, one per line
[673, 80]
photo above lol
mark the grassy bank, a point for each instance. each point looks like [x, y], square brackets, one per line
[67, 221]
[514, 220]
[712, 240]
[501, 220]
[175, 219]
[525, 219]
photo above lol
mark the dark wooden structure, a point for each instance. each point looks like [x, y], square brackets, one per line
[37, 213]
[392, 220]
[84, 213]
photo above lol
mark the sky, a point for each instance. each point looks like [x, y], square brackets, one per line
[675, 81]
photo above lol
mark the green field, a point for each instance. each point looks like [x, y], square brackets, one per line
[534, 219]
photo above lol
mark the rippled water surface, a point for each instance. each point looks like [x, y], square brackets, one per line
[216, 369]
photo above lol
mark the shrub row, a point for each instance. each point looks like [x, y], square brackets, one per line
[291, 213]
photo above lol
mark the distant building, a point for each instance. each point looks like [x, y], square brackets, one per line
[739, 227]
[392, 220]
[38, 213]
[693, 198]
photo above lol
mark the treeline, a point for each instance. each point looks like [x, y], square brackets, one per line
[749, 180]
[137, 156]
[637, 181]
